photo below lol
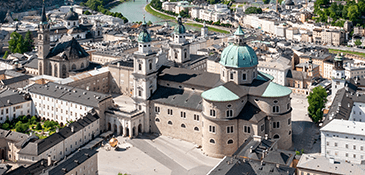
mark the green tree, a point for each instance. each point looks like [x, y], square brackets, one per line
[149, 23]
[353, 12]
[28, 41]
[358, 42]
[38, 127]
[33, 120]
[87, 12]
[322, 2]
[6, 54]
[5, 126]
[253, 10]
[316, 100]
[16, 43]
[266, 1]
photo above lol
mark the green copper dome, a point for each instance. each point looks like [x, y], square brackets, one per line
[219, 94]
[238, 56]
[276, 90]
[144, 37]
[179, 28]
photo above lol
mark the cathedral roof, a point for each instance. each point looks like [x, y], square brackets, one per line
[220, 94]
[67, 49]
[289, 2]
[238, 56]
[276, 90]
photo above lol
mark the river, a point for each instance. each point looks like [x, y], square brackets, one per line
[134, 11]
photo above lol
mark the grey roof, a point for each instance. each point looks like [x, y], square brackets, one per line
[341, 107]
[322, 165]
[32, 64]
[33, 169]
[200, 79]
[67, 93]
[178, 97]
[13, 97]
[235, 166]
[67, 49]
[71, 15]
[251, 113]
[15, 79]
[297, 75]
[73, 162]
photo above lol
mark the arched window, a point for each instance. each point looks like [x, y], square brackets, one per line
[82, 65]
[230, 141]
[183, 125]
[157, 120]
[212, 113]
[196, 129]
[169, 122]
[55, 70]
[229, 113]
[150, 65]
[40, 69]
[276, 136]
[73, 67]
[175, 55]
[139, 66]
[275, 109]
[50, 68]
[64, 71]
[212, 141]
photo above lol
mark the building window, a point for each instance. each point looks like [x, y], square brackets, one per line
[231, 76]
[347, 146]
[335, 144]
[157, 109]
[157, 120]
[183, 115]
[247, 129]
[275, 109]
[230, 141]
[276, 136]
[211, 129]
[288, 106]
[229, 129]
[289, 121]
[262, 127]
[361, 148]
[151, 66]
[212, 113]
[229, 113]
[196, 129]
[347, 154]
[139, 66]
[354, 155]
[169, 122]
[212, 141]
[169, 111]
[196, 117]
[276, 124]
[354, 147]
[244, 78]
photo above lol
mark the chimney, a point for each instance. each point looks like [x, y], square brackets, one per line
[8, 101]
[72, 128]
[49, 161]
[263, 154]
[266, 136]
[277, 165]
[332, 160]
[64, 170]
[57, 129]
[118, 64]
[251, 149]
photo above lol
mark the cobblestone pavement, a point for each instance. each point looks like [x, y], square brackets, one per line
[149, 154]
[305, 132]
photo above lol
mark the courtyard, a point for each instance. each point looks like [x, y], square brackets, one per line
[149, 154]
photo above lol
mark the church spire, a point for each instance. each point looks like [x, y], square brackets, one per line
[43, 16]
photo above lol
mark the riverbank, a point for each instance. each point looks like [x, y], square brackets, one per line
[346, 51]
[159, 14]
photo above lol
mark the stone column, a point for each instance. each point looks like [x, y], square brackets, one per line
[124, 130]
[118, 129]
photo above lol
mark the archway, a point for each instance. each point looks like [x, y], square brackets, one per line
[134, 131]
[64, 71]
[61, 124]
[140, 128]
[109, 127]
[73, 67]
[127, 132]
[115, 128]
[55, 70]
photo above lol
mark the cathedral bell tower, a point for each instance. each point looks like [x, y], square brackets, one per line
[179, 47]
[338, 75]
[43, 42]
[144, 73]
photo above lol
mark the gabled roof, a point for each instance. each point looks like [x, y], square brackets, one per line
[67, 49]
